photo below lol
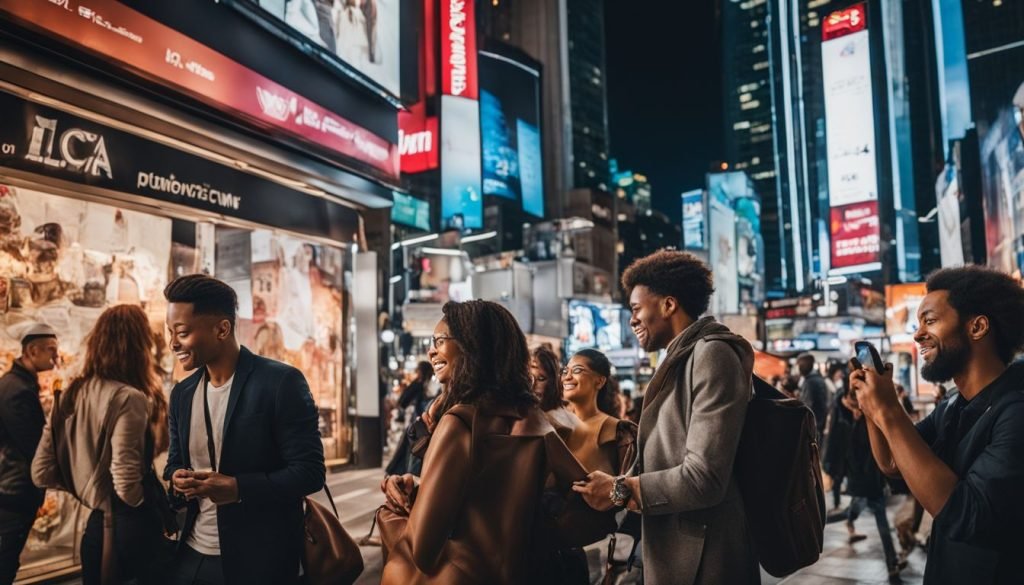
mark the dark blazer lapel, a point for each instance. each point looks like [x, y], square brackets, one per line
[188, 393]
[246, 361]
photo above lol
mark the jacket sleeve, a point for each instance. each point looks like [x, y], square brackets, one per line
[175, 450]
[44, 464]
[128, 446]
[442, 492]
[298, 437]
[985, 508]
[23, 419]
[721, 391]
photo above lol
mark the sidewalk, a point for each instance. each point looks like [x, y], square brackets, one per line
[357, 495]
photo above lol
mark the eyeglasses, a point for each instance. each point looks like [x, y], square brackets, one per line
[438, 340]
[576, 371]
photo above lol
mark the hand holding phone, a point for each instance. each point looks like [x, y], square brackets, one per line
[868, 357]
[872, 394]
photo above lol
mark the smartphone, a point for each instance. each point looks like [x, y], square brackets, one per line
[868, 356]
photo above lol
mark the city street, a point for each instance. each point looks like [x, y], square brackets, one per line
[357, 496]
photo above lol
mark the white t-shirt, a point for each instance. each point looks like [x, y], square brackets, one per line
[205, 537]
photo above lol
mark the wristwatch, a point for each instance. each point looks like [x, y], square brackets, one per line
[620, 491]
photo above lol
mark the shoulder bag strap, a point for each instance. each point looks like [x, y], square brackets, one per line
[330, 500]
[58, 437]
[210, 446]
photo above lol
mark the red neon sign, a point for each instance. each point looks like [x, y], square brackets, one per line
[458, 49]
[844, 22]
[417, 140]
[156, 51]
[856, 235]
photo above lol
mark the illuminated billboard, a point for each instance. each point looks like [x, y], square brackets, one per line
[855, 236]
[458, 49]
[417, 140]
[461, 198]
[364, 34]
[694, 224]
[722, 254]
[947, 192]
[510, 131]
[410, 211]
[167, 56]
[850, 141]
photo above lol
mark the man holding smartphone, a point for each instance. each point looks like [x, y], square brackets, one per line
[965, 461]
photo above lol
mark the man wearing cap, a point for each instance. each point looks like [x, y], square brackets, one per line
[21, 426]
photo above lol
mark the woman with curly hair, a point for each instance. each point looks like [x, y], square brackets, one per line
[471, 520]
[115, 414]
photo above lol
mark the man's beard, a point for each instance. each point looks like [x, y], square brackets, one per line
[949, 361]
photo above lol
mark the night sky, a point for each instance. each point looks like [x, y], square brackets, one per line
[665, 93]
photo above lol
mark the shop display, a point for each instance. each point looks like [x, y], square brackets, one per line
[62, 262]
[296, 318]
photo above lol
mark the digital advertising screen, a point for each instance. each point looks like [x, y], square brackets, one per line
[850, 141]
[410, 211]
[723, 258]
[594, 325]
[461, 199]
[363, 33]
[510, 131]
[694, 224]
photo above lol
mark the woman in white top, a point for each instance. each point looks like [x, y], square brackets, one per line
[114, 414]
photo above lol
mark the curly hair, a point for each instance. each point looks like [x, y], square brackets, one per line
[977, 290]
[495, 366]
[607, 395]
[552, 397]
[671, 273]
[120, 349]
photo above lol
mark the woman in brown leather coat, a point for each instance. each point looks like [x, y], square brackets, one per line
[472, 518]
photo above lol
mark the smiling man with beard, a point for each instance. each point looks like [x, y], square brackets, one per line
[965, 461]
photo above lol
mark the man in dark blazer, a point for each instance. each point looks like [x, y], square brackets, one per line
[244, 450]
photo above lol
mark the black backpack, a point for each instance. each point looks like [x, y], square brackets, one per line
[778, 469]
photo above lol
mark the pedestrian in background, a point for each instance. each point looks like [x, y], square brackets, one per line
[965, 461]
[866, 486]
[837, 447]
[694, 524]
[21, 426]
[115, 416]
[545, 369]
[404, 459]
[415, 394]
[814, 392]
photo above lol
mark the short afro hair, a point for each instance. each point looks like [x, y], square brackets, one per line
[208, 295]
[977, 290]
[671, 273]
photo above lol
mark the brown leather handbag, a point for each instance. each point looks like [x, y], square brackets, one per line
[330, 556]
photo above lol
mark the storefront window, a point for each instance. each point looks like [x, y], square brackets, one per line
[62, 262]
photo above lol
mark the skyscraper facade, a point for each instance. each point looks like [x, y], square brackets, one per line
[799, 220]
[588, 94]
[752, 122]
